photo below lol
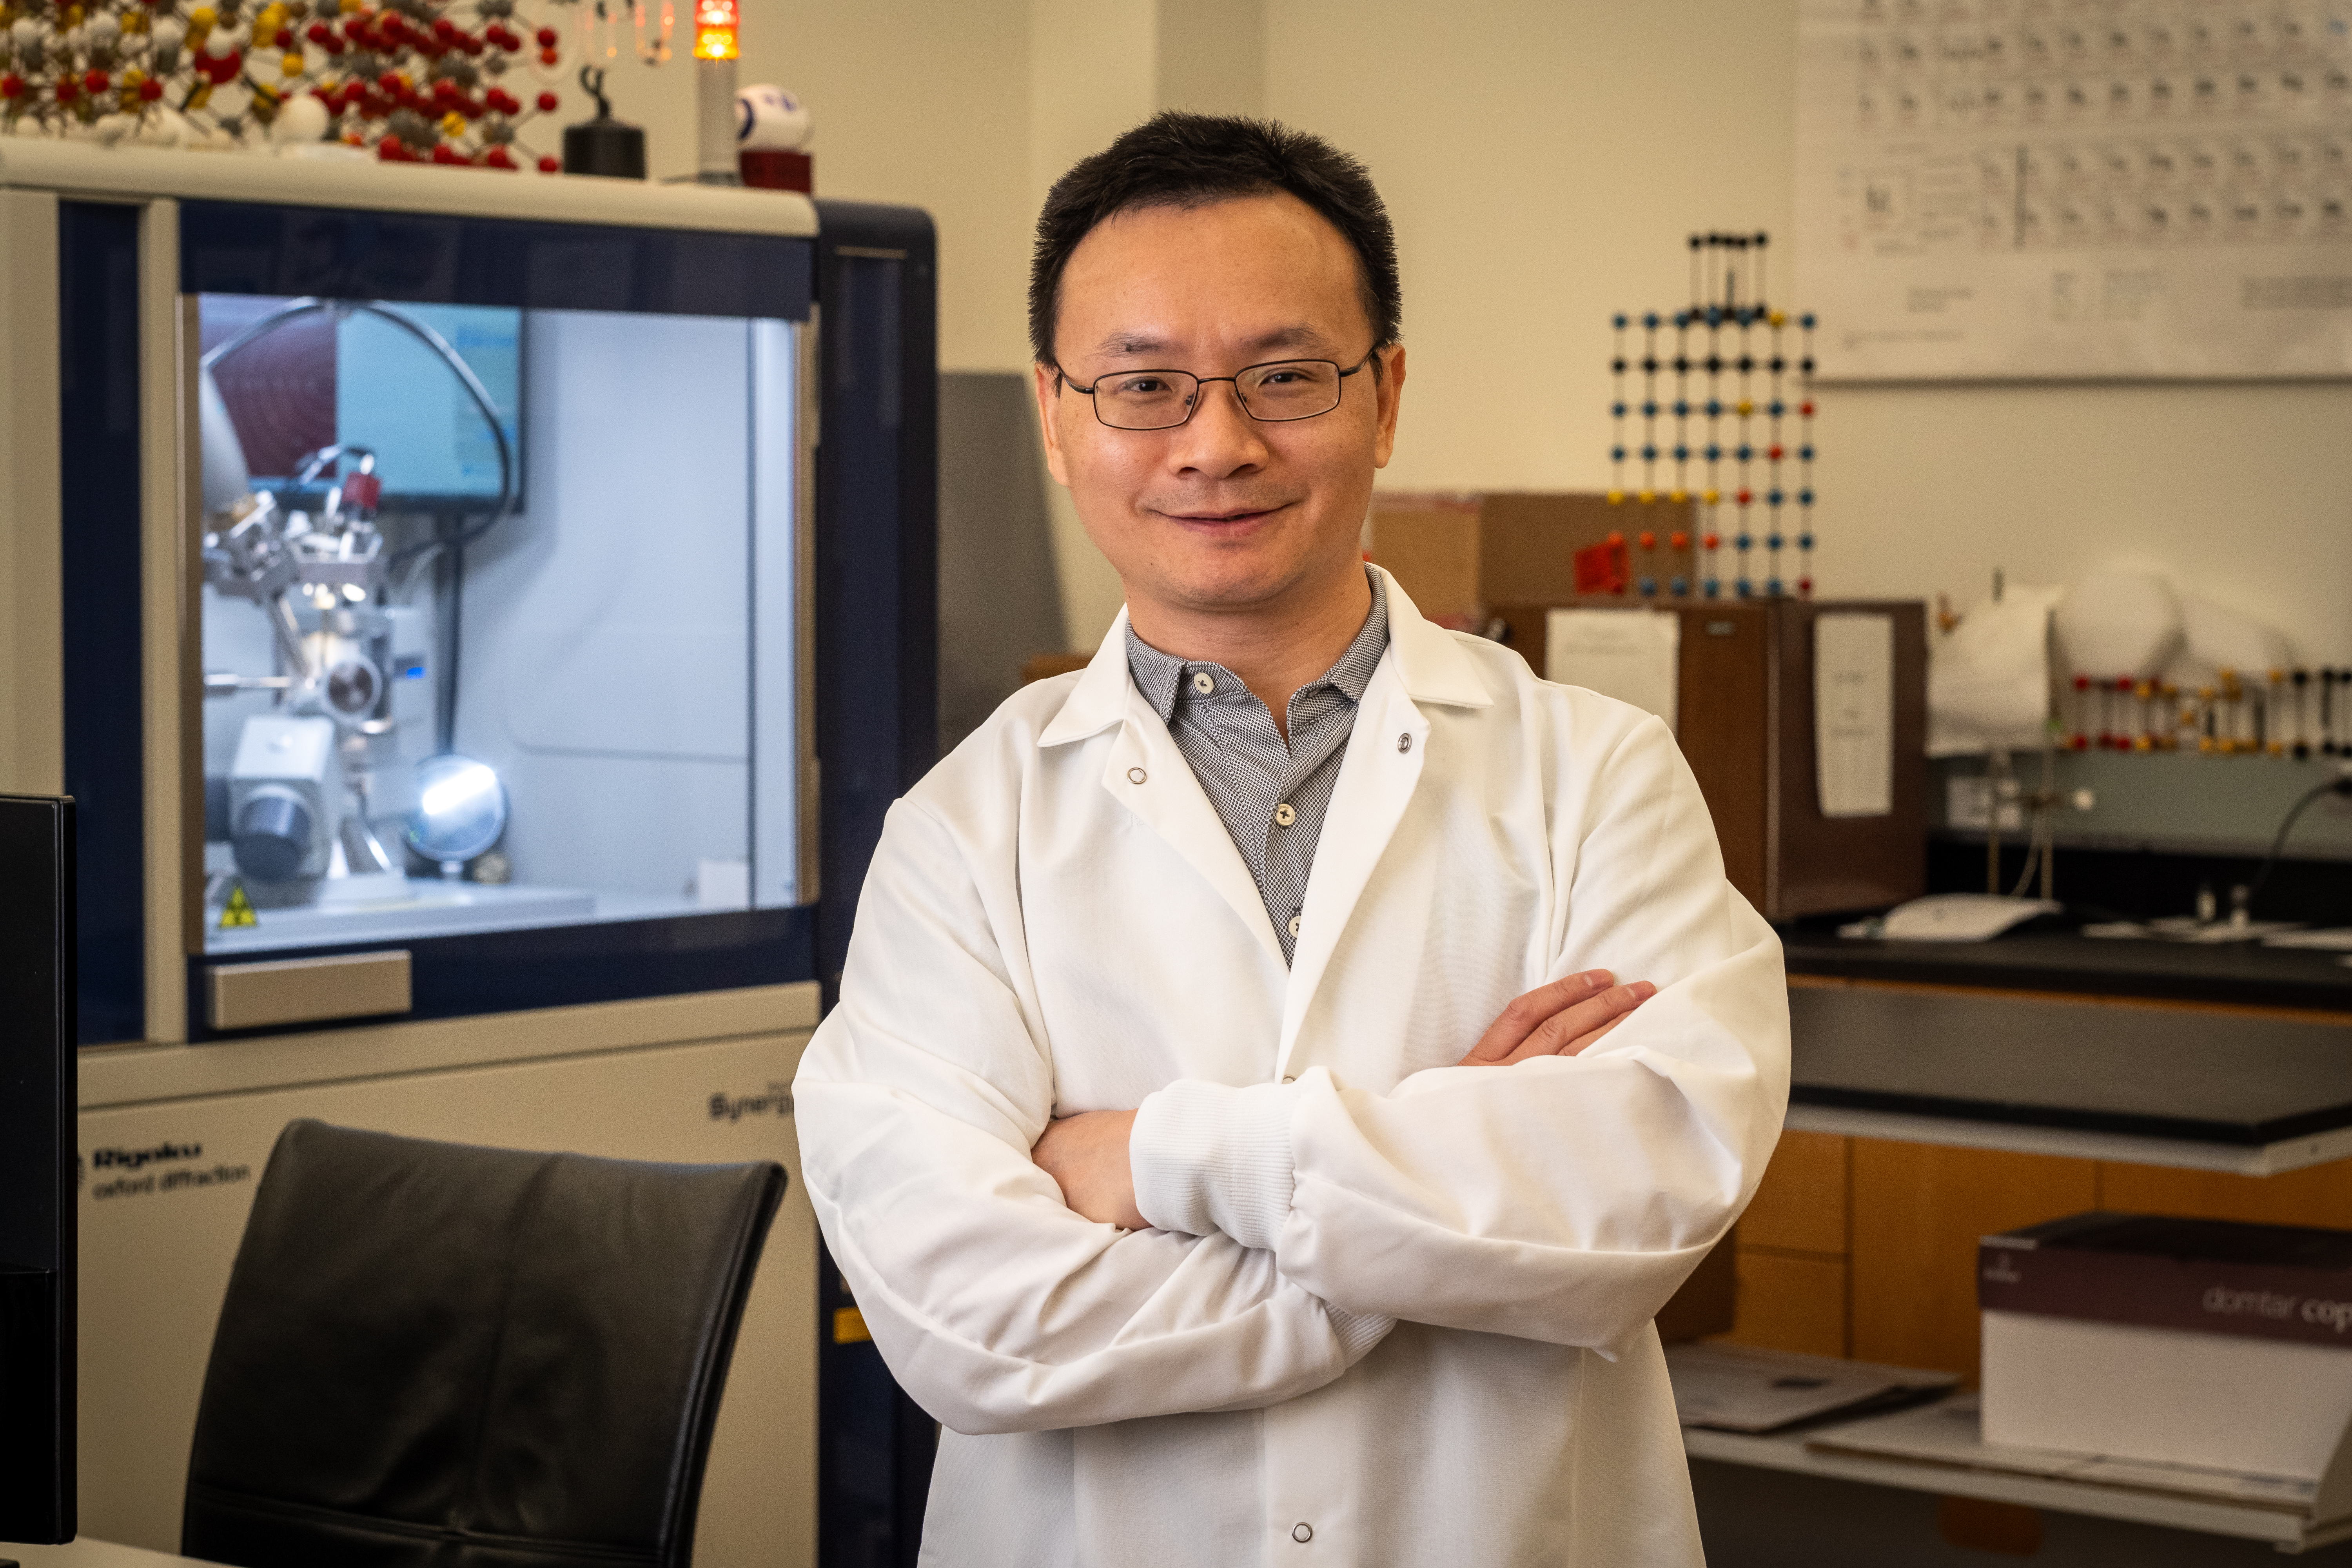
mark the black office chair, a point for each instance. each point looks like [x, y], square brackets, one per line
[439, 1356]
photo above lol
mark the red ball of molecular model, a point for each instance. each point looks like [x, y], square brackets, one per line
[423, 82]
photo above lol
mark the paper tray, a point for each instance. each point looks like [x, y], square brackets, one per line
[1949, 1434]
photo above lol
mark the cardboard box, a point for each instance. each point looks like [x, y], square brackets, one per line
[2183, 1342]
[1430, 543]
[1460, 555]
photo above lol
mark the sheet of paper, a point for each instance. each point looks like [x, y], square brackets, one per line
[1635, 656]
[2209, 933]
[1854, 713]
[2018, 188]
[2336, 940]
[1736, 1389]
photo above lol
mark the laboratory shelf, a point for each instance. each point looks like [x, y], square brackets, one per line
[2240, 1092]
[2285, 1528]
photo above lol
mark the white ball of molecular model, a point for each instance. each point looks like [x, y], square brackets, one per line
[770, 120]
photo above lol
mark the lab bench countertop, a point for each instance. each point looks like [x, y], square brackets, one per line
[2229, 1090]
[2238, 973]
[2150, 1072]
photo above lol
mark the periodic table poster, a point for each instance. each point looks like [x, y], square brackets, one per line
[2076, 189]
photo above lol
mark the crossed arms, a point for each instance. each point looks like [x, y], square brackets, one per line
[1557, 1185]
[1089, 1154]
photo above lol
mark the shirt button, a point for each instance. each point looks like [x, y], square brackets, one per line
[1302, 1532]
[1404, 743]
[1285, 815]
[1135, 776]
[1290, 1077]
[1204, 683]
[1294, 925]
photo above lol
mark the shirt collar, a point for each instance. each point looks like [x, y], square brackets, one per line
[1159, 677]
[1432, 664]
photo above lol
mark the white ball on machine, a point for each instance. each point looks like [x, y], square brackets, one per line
[770, 120]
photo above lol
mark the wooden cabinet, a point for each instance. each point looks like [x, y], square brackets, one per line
[1918, 1211]
[2317, 1194]
[1744, 708]
[1792, 1250]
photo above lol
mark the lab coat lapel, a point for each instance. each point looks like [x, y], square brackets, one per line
[1146, 774]
[1386, 752]
[1149, 775]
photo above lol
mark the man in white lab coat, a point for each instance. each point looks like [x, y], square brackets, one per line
[1231, 1125]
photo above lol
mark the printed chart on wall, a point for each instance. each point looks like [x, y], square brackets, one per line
[2076, 189]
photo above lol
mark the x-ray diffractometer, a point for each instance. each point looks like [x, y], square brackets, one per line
[482, 621]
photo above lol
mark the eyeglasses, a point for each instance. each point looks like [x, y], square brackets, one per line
[1281, 390]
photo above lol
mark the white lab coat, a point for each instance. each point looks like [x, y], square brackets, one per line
[1417, 1328]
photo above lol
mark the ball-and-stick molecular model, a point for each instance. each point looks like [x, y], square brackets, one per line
[413, 80]
[1736, 379]
[2296, 712]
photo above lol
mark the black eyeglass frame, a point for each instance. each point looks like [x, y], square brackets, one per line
[1062, 379]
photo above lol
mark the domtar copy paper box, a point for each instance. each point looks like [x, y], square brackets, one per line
[2186, 1341]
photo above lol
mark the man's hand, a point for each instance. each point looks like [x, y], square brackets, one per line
[1558, 1019]
[1086, 1155]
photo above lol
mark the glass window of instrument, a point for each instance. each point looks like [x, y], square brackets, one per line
[497, 617]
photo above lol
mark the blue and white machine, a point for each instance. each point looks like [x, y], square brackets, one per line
[482, 620]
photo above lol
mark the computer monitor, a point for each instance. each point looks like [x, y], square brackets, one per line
[359, 372]
[36, 1169]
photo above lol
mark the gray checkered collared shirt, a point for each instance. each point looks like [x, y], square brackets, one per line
[1272, 798]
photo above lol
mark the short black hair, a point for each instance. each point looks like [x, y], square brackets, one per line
[1176, 159]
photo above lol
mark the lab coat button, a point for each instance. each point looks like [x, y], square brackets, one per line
[1404, 743]
[1290, 1077]
[1135, 776]
[1294, 925]
[1302, 1532]
[1285, 815]
[1204, 683]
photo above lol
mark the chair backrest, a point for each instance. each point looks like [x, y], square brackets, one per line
[439, 1356]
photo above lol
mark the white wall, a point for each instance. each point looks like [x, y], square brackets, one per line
[921, 102]
[1544, 160]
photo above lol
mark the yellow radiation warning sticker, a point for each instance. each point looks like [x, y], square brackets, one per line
[238, 910]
